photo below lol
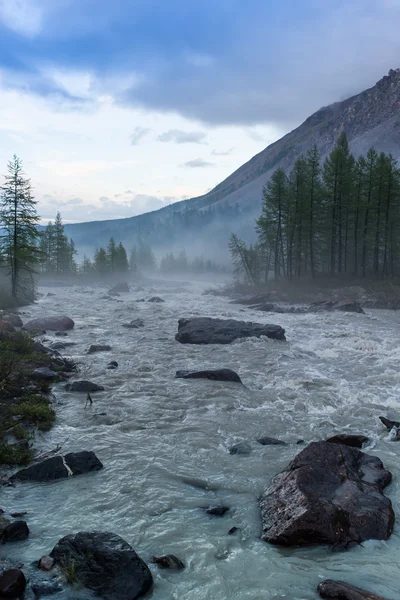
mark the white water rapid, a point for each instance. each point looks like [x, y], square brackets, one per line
[338, 372]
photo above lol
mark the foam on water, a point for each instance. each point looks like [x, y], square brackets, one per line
[165, 442]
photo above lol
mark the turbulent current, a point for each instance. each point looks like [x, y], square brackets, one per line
[164, 442]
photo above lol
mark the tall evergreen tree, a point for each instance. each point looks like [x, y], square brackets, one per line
[19, 218]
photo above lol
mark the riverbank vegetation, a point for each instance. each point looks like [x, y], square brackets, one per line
[339, 219]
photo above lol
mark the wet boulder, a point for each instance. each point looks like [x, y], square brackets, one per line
[99, 348]
[60, 467]
[84, 386]
[243, 448]
[169, 561]
[12, 584]
[13, 532]
[104, 563]
[112, 365]
[60, 323]
[349, 439]
[119, 288]
[213, 375]
[205, 330]
[156, 300]
[44, 374]
[340, 590]
[15, 320]
[269, 441]
[389, 424]
[329, 494]
[330, 305]
[217, 511]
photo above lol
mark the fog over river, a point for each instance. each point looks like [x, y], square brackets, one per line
[337, 372]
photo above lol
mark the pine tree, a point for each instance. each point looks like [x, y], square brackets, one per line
[112, 254]
[19, 218]
[121, 259]
[101, 263]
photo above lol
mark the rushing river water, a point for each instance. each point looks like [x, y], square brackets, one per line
[336, 373]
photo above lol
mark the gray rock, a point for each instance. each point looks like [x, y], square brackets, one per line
[60, 323]
[240, 448]
[156, 299]
[61, 334]
[136, 324]
[112, 365]
[353, 440]
[118, 288]
[214, 375]
[269, 441]
[340, 590]
[15, 320]
[59, 467]
[329, 494]
[45, 374]
[12, 584]
[99, 348]
[83, 386]
[13, 532]
[105, 563]
[169, 561]
[205, 330]
[217, 511]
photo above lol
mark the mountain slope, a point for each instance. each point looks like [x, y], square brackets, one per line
[371, 118]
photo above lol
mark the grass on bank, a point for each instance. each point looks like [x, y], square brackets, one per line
[24, 405]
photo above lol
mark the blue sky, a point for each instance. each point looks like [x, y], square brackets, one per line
[122, 106]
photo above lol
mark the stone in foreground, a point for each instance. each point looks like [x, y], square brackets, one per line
[83, 386]
[50, 323]
[12, 584]
[14, 532]
[60, 467]
[340, 590]
[213, 375]
[205, 330]
[105, 563]
[329, 494]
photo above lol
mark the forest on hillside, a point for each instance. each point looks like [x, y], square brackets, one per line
[337, 219]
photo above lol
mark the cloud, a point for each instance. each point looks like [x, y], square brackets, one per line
[222, 152]
[183, 137]
[138, 134]
[197, 163]
[22, 16]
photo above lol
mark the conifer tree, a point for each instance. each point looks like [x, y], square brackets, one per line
[19, 219]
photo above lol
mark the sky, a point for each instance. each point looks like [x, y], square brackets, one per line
[121, 107]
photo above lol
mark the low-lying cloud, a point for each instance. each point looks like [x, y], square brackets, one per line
[197, 163]
[183, 137]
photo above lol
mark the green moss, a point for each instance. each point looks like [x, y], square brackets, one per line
[21, 433]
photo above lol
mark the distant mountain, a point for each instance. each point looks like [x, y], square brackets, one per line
[203, 224]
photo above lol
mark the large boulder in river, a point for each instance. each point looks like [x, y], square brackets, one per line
[119, 288]
[214, 375]
[84, 386]
[105, 563]
[60, 467]
[12, 584]
[205, 330]
[60, 323]
[355, 440]
[329, 494]
[340, 590]
[330, 305]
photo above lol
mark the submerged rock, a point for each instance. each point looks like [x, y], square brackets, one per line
[99, 348]
[329, 494]
[136, 324]
[118, 288]
[240, 448]
[105, 563]
[156, 299]
[13, 532]
[214, 375]
[169, 561]
[349, 439]
[12, 584]
[60, 467]
[217, 511]
[61, 323]
[112, 365]
[269, 441]
[340, 590]
[205, 330]
[83, 386]
[389, 424]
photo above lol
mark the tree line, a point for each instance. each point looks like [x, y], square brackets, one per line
[340, 218]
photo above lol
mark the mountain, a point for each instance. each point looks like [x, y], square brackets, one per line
[203, 224]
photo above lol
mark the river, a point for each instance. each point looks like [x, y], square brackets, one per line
[337, 372]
